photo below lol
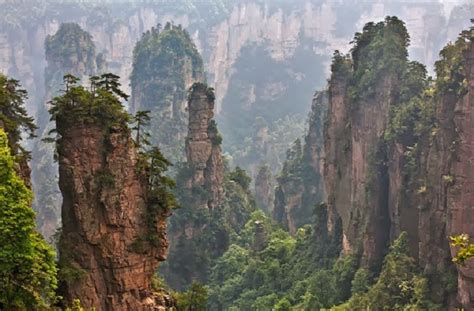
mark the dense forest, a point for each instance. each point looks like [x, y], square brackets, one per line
[188, 195]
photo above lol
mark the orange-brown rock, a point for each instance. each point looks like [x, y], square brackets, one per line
[104, 215]
[203, 151]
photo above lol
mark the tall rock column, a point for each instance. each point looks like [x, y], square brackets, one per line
[203, 151]
[460, 198]
[111, 241]
[165, 64]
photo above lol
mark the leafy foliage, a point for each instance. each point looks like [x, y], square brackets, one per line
[27, 263]
[203, 234]
[379, 50]
[288, 271]
[13, 116]
[193, 299]
[240, 176]
[100, 104]
[450, 77]
[400, 286]
[465, 249]
[160, 195]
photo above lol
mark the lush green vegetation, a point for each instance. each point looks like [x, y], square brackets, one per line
[203, 235]
[13, 116]
[164, 62]
[304, 273]
[99, 104]
[465, 248]
[286, 271]
[400, 285]
[27, 263]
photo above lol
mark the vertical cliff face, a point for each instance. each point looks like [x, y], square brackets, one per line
[460, 196]
[69, 51]
[203, 151]
[360, 107]
[300, 185]
[166, 63]
[445, 193]
[113, 236]
[397, 152]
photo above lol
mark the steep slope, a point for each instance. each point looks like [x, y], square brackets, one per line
[69, 51]
[165, 64]
[114, 206]
[361, 94]
[203, 151]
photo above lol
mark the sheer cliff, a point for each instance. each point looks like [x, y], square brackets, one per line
[396, 146]
[445, 194]
[238, 40]
[115, 205]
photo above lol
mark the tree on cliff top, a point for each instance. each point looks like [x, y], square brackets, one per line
[27, 263]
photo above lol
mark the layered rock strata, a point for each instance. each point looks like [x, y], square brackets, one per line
[103, 243]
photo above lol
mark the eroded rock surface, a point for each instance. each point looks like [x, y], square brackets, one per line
[104, 216]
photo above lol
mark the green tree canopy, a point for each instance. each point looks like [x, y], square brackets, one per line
[13, 116]
[27, 262]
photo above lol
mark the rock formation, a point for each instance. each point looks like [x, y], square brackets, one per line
[69, 51]
[203, 151]
[396, 160]
[300, 186]
[446, 207]
[275, 30]
[112, 236]
[166, 63]
[214, 207]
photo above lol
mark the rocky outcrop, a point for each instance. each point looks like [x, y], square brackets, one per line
[166, 63]
[355, 168]
[300, 185]
[106, 257]
[203, 151]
